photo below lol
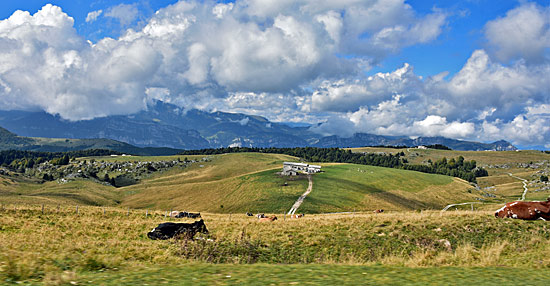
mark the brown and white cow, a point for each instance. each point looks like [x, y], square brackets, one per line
[268, 219]
[525, 210]
[297, 215]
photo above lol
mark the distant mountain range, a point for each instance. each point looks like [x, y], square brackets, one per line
[169, 126]
[10, 141]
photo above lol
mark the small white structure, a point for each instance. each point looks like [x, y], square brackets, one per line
[292, 169]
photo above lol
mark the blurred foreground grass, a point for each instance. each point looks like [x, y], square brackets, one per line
[57, 247]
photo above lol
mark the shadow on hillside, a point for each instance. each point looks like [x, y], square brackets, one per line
[406, 203]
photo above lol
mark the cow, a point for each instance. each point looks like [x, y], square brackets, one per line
[297, 215]
[249, 214]
[268, 219]
[378, 211]
[168, 230]
[186, 214]
[193, 215]
[260, 216]
[525, 210]
[181, 215]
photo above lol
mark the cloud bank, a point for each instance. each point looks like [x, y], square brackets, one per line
[288, 61]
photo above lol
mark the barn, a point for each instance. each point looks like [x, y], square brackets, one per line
[292, 169]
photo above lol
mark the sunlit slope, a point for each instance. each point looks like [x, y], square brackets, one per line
[348, 187]
[499, 164]
[249, 182]
[226, 183]
[78, 192]
[418, 156]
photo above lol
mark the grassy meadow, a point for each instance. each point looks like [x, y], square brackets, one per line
[244, 182]
[249, 182]
[77, 192]
[499, 164]
[349, 187]
[411, 243]
[482, 157]
[60, 246]
[226, 183]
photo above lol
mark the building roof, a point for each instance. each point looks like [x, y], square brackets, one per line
[301, 165]
[295, 164]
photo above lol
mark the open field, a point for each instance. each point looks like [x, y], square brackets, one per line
[525, 164]
[226, 183]
[241, 182]
[62, 246]
[482, 157]
[355, 187]
[257, 187]
[108, 245]
[78, 192]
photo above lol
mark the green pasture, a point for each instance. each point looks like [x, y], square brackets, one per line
[109, 246]
[349, 187]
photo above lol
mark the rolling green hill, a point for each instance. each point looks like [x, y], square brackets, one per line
[79, 192]
[249, 182]
[241, 182]
[504, 168]
[348, 187]
[238, 182]
[418, 156]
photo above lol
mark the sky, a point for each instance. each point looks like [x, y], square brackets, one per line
[471, 70]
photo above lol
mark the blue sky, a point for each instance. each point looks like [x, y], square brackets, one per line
[475, 70]
[447, 53]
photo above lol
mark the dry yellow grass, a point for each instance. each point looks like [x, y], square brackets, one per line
[60, 245]
[234, 181]
[82, 192]
[418, 156]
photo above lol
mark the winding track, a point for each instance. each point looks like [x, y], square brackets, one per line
[524, 181]
[300, 200]
[452, 205]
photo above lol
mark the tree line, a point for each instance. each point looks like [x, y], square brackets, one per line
[458, 167]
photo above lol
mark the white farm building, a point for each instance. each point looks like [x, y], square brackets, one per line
[292, 169]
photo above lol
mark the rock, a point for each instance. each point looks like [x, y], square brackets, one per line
[445, 243]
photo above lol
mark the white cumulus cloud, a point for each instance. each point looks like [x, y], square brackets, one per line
[124, 13]
[92, 16]
[300, 60]
[523, 33]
